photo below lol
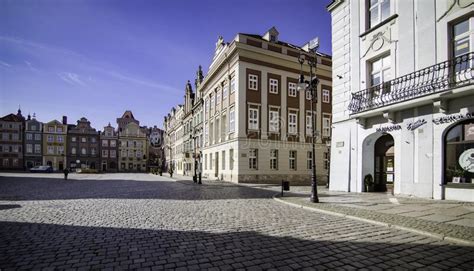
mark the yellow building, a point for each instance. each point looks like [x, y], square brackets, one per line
[54, 144]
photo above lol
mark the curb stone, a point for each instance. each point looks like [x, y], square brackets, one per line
[375, 222]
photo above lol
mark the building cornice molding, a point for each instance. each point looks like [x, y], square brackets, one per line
[334, 5]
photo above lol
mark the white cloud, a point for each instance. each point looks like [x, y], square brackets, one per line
[30, 66]
[71, 78]
[5, 64]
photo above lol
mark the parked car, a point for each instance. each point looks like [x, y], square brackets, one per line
[46, 169]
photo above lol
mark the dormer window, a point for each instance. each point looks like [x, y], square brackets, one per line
[273, 38]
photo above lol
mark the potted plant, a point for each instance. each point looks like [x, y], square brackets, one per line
[459, 175]
[369, 183]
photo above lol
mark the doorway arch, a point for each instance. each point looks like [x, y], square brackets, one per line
[384, 164]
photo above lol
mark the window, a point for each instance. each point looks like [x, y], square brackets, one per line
[326, 96]
[51, 129]
[231, 159]
[210, 161]
[5, 162]
[459, 150]
[93, 151]
[292, 160]
[463, 36]
[83, 139]
[29, 136]
[59, 129]
[379, 10]
[273, 86]
[73, 139]
[218, 97]
[37, 136]
[326, 160]
[205, 161]
[113, 154]
[232, 85]
[380, 71]
[253, 119]
[292, 123]
[60, 149]
[223, 160]
[232, 120]
[83, 151]
[309, 160]
[105, 143]
[113, 143]
[15, 162]
[292, 89]
[309, 124]
[274, 121]
[253, 159]
[73, 150]
[37, 148]
[326, 125]
[50, 138]
[29, 148]
[33, 127]
[93, 140]
[60, 138]
[50, 150]
[274, 159]
[225, 87]
[308, 94]
[212, 102]
[253, 82]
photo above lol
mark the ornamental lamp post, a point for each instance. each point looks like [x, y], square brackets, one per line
[309, 87]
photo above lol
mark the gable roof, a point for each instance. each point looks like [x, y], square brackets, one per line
[12, 118]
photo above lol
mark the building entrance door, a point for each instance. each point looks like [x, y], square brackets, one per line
[104, 166]
[384, 164]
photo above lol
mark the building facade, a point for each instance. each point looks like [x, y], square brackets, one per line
[109, 149]
[54, 144]
[256, 125]
[132, 147]
[155, 148]
[33, 142]
[403, 102]
[174, 132]
[83, 149]
[12, 141]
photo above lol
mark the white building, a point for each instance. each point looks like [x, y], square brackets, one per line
[403, 102]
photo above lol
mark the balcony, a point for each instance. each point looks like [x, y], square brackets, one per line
[454, 73]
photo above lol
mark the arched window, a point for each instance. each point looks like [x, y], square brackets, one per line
[459, 153]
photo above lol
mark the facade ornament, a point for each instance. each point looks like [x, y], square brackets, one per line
[378, 41]
[453, 4]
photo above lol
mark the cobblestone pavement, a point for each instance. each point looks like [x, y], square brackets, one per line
[451, 219]
[139, 221]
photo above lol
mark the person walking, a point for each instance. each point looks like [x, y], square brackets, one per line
[66, 172]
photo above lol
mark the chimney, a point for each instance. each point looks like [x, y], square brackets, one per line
[65, 120]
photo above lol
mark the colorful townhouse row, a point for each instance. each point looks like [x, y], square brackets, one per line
[28, 142]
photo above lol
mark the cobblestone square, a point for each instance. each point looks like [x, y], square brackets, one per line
[141, 221]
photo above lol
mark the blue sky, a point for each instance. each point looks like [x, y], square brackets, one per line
[99, 58]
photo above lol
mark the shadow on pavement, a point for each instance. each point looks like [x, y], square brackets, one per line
[31, 245]
[37, 188]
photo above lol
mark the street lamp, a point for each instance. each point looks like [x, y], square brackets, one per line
[310, 87]
[196, 178]
[328, 144]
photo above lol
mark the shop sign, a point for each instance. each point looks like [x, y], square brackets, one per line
[466, 160]
[415, 125]
[452, 118]
[389, 128]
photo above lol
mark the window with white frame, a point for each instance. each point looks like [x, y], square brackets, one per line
[273, 86]
[59, 129]
[253, 119]
[37, 136]
[380, 71]
[83, 139]
[83, 151]
[73, 150]
[29, 136]
[50, 149]
[232, 84]
[37, 148]
[50, 138]
[292, 89]
[51, 129]
[93, 151]
[292, 160]
[232, 120]
[462, 42]
[231, 159]
[253, 82]
[378, 10]
[73, 139]
[113, 153]
[326, 96]
[218, 97]
[29, 148]
[326, 125]
[292, 122]
[308, 94]
[309, 160]
[309, 123]
[212, 102]
[60, 139]
[105, 143]
[224, 90]
[113, 143]
[223, 160]
[273, 120]
[274, 159]
[253, 159]
[105, 153]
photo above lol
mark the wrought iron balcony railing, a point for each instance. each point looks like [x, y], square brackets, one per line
[443, 76]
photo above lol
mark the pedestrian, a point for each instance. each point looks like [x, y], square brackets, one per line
[66, 172]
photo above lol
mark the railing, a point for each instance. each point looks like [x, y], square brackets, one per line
[443, 76]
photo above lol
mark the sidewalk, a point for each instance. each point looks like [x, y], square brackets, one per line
[442, 219]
